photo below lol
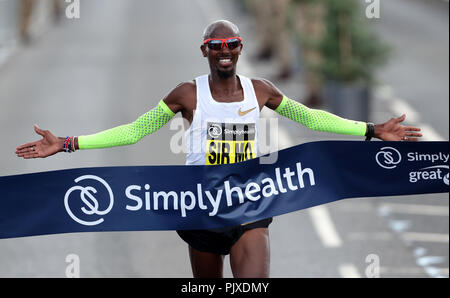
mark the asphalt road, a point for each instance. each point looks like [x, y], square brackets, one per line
[121, 57]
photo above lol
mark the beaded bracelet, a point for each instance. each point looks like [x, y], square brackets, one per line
[69, 145]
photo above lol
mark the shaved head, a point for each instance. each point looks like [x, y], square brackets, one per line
[220, 27]
[222, 59]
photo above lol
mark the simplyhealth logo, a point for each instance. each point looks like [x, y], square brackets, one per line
[389, 158]
[87, 201]
[81, 203]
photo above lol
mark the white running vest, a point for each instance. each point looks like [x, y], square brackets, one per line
[222, 132]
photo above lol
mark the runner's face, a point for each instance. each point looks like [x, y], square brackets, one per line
[222, 61]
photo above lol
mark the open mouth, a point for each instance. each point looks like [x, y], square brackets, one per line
[225, 62]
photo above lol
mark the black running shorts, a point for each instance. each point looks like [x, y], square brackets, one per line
[219, 241]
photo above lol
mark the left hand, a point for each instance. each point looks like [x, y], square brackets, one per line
[392, 130]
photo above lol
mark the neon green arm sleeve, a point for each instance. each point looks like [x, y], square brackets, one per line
[318, 119]
[129, 133]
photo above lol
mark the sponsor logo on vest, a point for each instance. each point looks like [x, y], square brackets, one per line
[214, 130]
[242, 113]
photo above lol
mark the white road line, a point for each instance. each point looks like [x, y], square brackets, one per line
[425, 237]
[348, 271]
[384, 92]
[324, 226]
[399, 107]
[429, 133]
[436, 272]
[415, 209]
[415, 271]
[427, 261]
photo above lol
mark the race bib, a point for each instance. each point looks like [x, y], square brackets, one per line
[228, 143]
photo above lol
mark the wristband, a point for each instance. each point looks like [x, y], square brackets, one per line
[370, 131]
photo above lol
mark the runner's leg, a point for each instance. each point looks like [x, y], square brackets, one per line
[250, 255]
[206, 264]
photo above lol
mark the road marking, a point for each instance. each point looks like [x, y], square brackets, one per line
[384, 92]
[387, 208]
[348, 271]
[429, 260]
[425, 237]
[399, 107]
[429, 133]
[416, 271]
[436, 272]
[324, 226]
[428, 264]
[399, 226]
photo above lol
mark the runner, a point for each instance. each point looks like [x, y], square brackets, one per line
[223, 110]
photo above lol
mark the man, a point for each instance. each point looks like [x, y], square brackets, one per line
[217, 106]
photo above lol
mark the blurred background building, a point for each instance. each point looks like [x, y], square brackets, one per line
[120, 57]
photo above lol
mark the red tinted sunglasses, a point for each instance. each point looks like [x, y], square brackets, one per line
[217, 43]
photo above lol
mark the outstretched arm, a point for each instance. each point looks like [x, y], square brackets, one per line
[129, 133]
[320, 120]
[118, 136]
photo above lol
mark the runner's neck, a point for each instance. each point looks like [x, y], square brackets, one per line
[229, 89]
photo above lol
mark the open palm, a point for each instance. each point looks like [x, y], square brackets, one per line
[392, 130]
[48, 145]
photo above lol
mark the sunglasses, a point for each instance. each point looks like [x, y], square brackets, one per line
[217, 43]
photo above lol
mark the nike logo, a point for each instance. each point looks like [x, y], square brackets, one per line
[242, 113]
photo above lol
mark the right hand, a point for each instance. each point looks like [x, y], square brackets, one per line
[48, 145]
